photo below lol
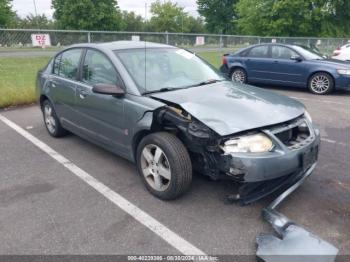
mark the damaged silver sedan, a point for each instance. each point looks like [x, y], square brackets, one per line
[171, 113]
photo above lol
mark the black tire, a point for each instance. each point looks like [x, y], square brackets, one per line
[319, 89]
[179, 165]
[238, 75]
[58, 130]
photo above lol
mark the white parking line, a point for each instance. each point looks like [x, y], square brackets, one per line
[333, 142]
[158, 228]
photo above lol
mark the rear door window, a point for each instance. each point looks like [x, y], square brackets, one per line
[56, 64]
[259, 51]
[66, 65]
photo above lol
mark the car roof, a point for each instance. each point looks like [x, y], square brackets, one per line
[120, 45]
[282, 44]
[264, 44]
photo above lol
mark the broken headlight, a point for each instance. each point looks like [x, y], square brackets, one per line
[256, 143]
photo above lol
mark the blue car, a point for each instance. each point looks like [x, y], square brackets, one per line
[287, 65]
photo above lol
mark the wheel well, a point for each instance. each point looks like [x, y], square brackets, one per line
[324, 72]
[42, 99]
[137, 139]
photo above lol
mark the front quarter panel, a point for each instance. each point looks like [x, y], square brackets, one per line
[138, 117]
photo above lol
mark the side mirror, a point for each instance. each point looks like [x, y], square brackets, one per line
[296, 58]
[108, 89]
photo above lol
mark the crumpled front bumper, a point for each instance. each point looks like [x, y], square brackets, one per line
[271, 165]
[262, 174]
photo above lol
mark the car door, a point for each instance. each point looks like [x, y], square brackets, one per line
[101, 115]
[287, 66]
[62, 86]
[257, 63]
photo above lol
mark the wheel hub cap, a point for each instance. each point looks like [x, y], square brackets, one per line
[155, 167]
[50, 121]
[238, 76]
[320, 84]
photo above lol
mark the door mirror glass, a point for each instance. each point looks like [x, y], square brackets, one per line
[108, 89]
[296, 58]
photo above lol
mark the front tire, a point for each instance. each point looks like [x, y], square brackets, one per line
[164, 165]
[51, 120]
[321, 84]
[239, 75]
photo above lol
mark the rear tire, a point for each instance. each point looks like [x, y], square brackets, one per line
[164, 165]
[321, 84]
[51, 120]
[238, 75]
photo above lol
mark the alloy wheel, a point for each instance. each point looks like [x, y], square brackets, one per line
[50, 121]
[238, 76]
[155, 167]
[320, 84]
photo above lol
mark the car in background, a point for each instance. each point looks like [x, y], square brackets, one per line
[170, 112]
[287, 65]
[342, 53]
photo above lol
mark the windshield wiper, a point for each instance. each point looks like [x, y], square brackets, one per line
[167, 89]
[164, 89]
[207, 82]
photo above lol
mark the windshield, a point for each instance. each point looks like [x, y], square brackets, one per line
[308, 54]
[166, 69]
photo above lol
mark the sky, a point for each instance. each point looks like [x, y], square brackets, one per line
[24, 7]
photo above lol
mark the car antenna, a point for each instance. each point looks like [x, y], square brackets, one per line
[145, 45]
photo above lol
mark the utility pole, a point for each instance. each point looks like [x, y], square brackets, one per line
[36, 14]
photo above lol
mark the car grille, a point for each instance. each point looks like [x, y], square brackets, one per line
[295, 134]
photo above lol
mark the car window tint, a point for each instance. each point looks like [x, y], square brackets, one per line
[56, 64]
[281, 52]
[98, 69]
[165, 68]
[259, 51]
[69, 63]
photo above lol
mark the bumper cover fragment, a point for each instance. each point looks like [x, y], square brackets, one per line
[294, 243]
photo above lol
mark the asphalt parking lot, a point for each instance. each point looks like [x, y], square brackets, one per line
[46, 209]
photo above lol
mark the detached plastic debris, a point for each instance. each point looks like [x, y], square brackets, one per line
[294, 244]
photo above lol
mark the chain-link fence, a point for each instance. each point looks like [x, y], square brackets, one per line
[22, 38]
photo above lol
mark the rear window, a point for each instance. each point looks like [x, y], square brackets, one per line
[259, 51]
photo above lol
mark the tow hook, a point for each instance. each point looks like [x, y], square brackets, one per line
[293, 243]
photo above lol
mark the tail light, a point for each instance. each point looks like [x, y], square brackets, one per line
[336, 52]
[223, 60]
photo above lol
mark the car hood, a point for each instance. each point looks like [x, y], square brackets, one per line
[228, 108]
[334, 62]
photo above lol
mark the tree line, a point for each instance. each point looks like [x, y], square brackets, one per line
[326, 18]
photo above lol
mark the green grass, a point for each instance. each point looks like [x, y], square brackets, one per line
[18, 75]
[28, 49]
[213, 57]
[17, 79]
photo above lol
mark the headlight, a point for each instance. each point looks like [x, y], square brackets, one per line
[343, 71]
[256, 143]
[307, 116]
